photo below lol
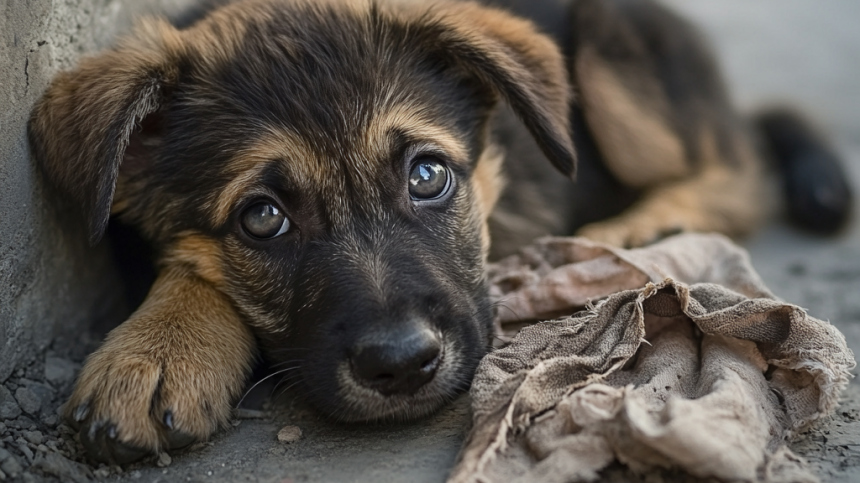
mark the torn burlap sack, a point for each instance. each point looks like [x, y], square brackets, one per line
[689, 367]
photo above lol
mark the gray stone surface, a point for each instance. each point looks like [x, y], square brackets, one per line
[51, 282]
[52, 285]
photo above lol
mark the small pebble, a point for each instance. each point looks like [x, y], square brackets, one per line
[11, 467]
[28, 400]
[50, 420]
[164, 460]
[101, 473]
[34, 437]
[23, 422]
[22, 446]
[9, 408]
[289, 434]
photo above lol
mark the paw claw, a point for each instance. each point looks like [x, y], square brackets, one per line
[168, 419]
[94, 429]
[81, 412]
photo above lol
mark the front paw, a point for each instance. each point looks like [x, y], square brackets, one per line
[130, 401]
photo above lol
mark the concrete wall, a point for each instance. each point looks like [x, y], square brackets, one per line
[52, 284]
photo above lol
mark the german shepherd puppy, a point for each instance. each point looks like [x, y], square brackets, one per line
[319, 181]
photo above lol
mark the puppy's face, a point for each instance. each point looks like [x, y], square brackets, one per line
[327, 167]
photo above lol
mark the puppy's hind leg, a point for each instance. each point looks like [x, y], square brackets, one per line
[167, 376]
[717, 198]
[653, 101]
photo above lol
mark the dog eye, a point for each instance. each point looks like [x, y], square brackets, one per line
[429, 179]
[265, 220]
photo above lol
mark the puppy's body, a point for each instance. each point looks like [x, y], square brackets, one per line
[660, 148]
[369, 134]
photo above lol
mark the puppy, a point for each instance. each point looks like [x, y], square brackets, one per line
[319, 181]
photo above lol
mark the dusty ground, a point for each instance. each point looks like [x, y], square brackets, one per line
[773, 50]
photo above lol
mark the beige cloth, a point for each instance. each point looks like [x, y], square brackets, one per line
[690, 367]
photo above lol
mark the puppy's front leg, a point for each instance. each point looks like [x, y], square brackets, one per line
[167, 376]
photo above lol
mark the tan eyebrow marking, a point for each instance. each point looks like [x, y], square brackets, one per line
[415, 122]
[302, 163]
[273, 146]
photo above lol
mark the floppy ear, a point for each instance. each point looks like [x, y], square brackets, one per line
[508, 55]
[81, 128]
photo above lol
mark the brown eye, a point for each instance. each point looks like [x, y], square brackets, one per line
[429, 179]
[265, 220]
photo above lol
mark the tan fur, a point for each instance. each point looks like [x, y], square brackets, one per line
[638, 146]
[199, 253]
[719, 197]
[487, 185]
[187, 346]
[414, 121]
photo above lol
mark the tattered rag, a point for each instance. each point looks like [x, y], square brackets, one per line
[684, 364]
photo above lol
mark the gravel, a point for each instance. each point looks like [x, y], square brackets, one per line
[53, 464]
[34, 437]
[9, 408]
[28, 400]
[11, 467]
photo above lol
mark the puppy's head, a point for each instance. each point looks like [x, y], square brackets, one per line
[325, 165]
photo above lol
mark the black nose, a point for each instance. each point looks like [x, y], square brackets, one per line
[398, 363]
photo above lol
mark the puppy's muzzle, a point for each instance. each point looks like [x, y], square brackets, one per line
[399, 361]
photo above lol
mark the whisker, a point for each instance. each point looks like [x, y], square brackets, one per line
[288, 388]
[261, 380]
[512, 311]
[288, 378]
